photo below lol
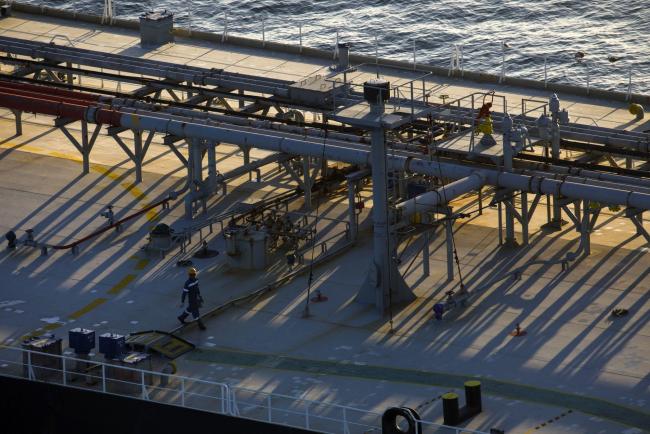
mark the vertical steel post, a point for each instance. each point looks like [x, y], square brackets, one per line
[629, 84]
[247, 159]
[524, 217]
[240, 101]
[414, 59]
[510, 240]
[212, 165]
[68, 77]
[30, 371]
[450, 249]
[268, 403]
[503, 62]
[377, 56]
[224, 37]
[380, 211]
[306, 183]
[500, 224]
[586, 229]
[336, 46]
[425, 255]
[352, 211]
[554, 106]
[18, 115]
[103, 378]
[462, 68]
[65, 380]
[85, 151]
[424, 91]
[137, 140]
[182, 392]
[143, 387]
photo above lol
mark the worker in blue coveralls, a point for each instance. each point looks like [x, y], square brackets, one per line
[194, 299]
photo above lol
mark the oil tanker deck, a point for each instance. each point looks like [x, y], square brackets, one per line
[372, 238]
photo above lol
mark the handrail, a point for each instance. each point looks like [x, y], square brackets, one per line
[62, 37]
[230, 403]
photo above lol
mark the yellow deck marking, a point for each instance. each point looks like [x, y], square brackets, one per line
[87, 308]
[142, 263]
[133, 190]
[64, 156]
[119, 286]
[138, 194]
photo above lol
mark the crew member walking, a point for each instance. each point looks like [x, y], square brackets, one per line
[194, 299]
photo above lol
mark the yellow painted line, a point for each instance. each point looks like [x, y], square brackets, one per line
[87, 308]
[138, 194]
[119, 286]
[63, 156]
[142, 263]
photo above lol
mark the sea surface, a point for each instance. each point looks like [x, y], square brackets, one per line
[535, 32]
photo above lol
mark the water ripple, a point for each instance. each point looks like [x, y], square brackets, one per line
[555, 29]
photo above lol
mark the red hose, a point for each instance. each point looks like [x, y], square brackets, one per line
[66, 104]
[106, 228]
[27, 101]
[44, 96]
[35, 105]
[49, 90]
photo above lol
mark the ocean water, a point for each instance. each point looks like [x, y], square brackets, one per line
[536, 32]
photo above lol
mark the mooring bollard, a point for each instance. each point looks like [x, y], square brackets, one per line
[450, 409]
[473, 395]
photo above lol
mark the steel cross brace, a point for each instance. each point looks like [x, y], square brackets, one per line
[139, 150]
[169, 140]
[573, 216]
[86, 144]
[636, 216]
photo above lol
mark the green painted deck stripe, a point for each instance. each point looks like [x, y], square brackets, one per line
[586, 404]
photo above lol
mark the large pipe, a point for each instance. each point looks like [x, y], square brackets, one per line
[282, 143]
[132, 106]
[441, 196]
[44, 97]
[48, 90]
[585, 173]
[301, 146]
[42, 106]
[148, 67]
[242, 170]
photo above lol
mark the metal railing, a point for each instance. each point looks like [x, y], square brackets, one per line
[188, 392]
[462, 53]
[458, 59]
[115, 379]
